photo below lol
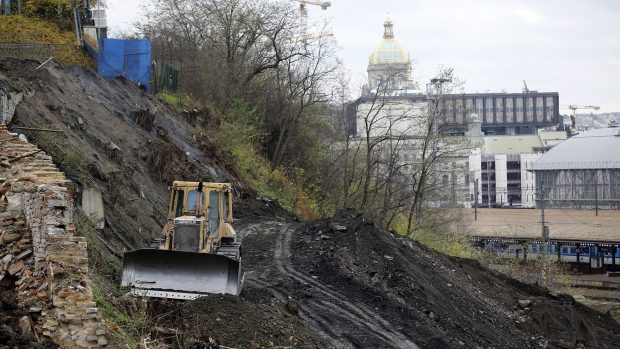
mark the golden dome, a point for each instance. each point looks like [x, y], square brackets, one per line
[389, 50]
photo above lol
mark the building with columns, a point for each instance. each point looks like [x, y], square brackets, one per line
[501, 113]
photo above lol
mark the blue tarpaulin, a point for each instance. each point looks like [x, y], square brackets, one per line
[130, 59]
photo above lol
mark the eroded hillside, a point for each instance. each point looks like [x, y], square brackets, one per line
[341, 282]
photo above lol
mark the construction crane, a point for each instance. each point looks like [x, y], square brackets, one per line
[526, 89]
[573, 116]
[304, 14]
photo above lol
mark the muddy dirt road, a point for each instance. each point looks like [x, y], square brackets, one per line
[340, 321]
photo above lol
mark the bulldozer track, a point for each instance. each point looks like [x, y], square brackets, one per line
[356, 312]
[318, 322]
[358, 323]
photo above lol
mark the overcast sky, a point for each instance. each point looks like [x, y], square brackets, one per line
[568, 46]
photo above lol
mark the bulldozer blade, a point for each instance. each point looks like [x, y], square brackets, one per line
[179, 275]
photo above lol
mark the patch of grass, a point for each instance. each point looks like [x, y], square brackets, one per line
[104, 272]
[447, 242]
[123, 328]
[175, 100]
[452, 244]
[61, 43]
[100, 259]
[111, 313]
[70, 158]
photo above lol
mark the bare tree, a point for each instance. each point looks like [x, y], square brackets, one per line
[395, 165]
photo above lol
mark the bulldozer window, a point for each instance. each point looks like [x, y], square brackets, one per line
[179, 203]
[214, 211]
[192, 202]
[225, 205]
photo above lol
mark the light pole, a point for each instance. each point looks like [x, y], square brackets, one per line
[489, 183]
[433, 114]
[476, 198]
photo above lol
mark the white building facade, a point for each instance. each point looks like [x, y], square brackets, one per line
[499, 169]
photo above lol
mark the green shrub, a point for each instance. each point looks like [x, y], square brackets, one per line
[241, 136]
[447, 242]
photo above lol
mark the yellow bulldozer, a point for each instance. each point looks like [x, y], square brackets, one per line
[198, 252]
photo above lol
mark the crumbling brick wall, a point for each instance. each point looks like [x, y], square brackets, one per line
[39, 251]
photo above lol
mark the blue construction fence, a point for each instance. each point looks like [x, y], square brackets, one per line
[130, 59]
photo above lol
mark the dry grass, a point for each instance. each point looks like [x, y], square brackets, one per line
[25, 30]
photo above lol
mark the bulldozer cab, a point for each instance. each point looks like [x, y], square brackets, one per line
[208, 207]
[212, 200]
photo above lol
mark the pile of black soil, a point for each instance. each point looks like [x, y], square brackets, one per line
[217, 321]
[250, 207]
[439, 300]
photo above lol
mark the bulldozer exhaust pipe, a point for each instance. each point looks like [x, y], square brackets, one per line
[179, 275]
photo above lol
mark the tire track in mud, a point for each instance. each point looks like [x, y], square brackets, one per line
[357, 313]
[324, 329]
[341, 322]
[318, 322]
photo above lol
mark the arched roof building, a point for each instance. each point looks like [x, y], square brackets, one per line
[582, 172]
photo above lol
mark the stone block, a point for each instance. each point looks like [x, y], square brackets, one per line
[89, 316]
[55, 231]
[57, 203]
[24, 255]
[16, 267]
[8, 237]
[25, 325]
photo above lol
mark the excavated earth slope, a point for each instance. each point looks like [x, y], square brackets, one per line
[361, 286]
[330, 283]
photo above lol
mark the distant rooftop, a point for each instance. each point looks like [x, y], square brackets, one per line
[595, 149]
[522, 144]
[518, 144]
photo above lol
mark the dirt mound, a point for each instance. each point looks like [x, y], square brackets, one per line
[566, 323]
[439, 300]
[229, 321]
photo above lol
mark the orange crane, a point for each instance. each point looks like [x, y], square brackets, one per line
[304, 14]
[573, 116]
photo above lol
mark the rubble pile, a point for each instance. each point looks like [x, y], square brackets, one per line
[40, 258]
